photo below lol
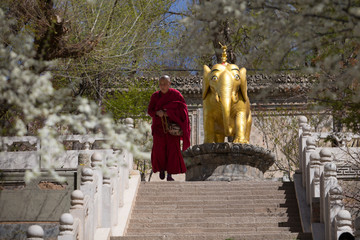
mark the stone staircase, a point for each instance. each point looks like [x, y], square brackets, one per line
[215, 210]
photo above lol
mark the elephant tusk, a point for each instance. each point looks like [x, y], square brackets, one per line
[217, 97]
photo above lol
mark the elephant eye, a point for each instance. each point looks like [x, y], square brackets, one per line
[214, 78]
[237, 77]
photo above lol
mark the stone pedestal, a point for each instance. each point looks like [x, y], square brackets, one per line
[226, 162]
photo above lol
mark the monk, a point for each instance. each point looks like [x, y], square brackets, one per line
[166, 152]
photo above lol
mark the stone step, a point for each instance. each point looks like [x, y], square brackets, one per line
[219, 195]
[156, 216]
[223, 236]
[214, 209]
[140, 201]
[222, 194]
[198, 201]
[215, 184]
[211, 188]
[220, 183]
[213, 204]
[228, 192]
[239, 226]
[202, 230]
[209, 218]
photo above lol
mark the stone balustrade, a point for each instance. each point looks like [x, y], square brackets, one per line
[94, 212]
[28, 156]
[101, 203]
[319, 168]
[16, 195]
[100, 206]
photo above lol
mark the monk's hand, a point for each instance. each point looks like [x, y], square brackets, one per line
[160, 113]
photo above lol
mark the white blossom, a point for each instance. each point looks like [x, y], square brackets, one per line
[25, 86]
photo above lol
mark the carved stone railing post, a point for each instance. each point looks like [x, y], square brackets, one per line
[305, 133]
[87, 180]
[115, 196]
[334, 206]
[116, 165]
[96, 160]
[96, 164]
[325, 158]
[328, 180]
[67, 227]
[314, 170]
[35, 232]
[88, 187]
[130, 124]
[83, 161]
[314, 162]
[125, 165]
[84, 157]
[343, 224]
[309, 148]
[314, 192]
[106, 200]
[357, 228]
[302, 122]
[119, 154]
[130, 161]
[77, 200]
[79, 209]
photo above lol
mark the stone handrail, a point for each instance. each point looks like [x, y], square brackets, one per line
[95, 206]
[101, 205]
[29, 159]
[8, 141]
[318, 167]
[10, 160]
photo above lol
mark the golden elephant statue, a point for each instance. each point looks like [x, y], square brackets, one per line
[226, 106]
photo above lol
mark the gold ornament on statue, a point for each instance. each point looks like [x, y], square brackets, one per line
[226, 103]
[223, 55]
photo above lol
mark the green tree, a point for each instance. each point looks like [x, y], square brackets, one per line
[131, 101]
[27, 93]
[97, 45]
[132, 34]
[319, 38]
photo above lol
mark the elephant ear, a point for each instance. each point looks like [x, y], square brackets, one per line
[206, 81]
[243, 84]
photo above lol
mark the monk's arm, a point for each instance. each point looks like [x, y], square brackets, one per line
[151, 107]
[175, 111]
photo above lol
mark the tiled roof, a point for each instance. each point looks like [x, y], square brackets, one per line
[281, 82]
[263, 89]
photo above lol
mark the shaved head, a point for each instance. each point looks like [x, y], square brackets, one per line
[164, 77]
[164, 83]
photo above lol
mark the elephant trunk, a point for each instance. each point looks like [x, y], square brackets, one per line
[225, 98]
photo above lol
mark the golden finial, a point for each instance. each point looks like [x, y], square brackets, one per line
[223, 56]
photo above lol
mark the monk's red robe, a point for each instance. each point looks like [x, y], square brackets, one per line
[166, 152]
